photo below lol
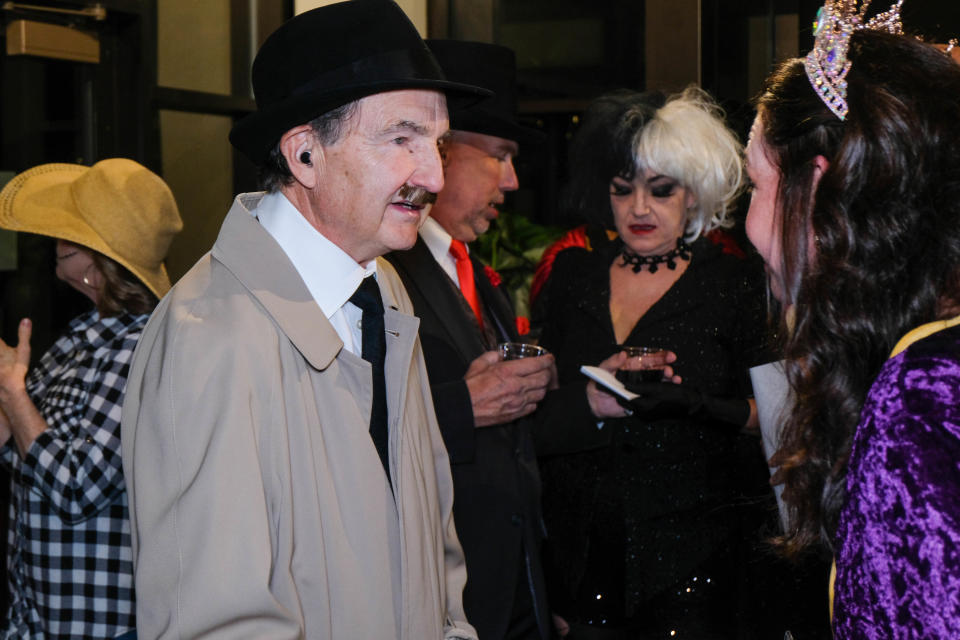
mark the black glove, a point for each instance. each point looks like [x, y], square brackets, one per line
[667, 400]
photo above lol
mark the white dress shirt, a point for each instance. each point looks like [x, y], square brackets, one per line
[330, 274]
[438, 241]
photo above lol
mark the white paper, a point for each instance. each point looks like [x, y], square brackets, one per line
[608, 380]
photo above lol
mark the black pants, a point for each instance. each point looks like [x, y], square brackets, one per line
[523, 619]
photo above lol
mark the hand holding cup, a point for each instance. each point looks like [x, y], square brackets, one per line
[642, 365]
[507, 384]
[517, 350]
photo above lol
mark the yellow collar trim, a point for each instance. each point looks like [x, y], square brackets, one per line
[922, 332]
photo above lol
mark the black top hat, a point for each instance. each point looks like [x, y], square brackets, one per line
[492, 67]
[332, 55]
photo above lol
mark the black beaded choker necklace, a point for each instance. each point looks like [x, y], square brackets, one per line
[652, 263]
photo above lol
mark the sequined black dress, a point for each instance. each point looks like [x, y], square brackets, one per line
[643, 513]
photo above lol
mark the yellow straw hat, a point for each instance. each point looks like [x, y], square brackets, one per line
[117, 207]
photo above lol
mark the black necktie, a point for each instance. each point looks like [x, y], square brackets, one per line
[367, 297]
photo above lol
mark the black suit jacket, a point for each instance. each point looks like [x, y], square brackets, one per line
[496, 483]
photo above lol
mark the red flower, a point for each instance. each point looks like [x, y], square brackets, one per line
[523, 325]
[492, 275]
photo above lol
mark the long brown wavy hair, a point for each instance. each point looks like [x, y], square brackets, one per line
[885, 220]
[121, 290]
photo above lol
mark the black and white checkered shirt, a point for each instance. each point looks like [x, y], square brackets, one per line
[69, 558]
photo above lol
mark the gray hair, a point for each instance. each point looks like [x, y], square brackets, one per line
[327, 128]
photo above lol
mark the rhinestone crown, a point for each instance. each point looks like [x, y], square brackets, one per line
[827, 63]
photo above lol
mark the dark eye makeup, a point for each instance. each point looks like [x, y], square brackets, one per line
[662, 188]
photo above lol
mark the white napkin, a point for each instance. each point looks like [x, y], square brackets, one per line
[608, 380]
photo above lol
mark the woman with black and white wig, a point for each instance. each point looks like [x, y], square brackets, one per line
[640, 507]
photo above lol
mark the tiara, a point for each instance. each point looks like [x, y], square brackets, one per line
[827, 63]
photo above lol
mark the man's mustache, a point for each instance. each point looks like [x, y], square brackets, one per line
[416, 195]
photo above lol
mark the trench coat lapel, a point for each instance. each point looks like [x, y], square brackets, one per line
[257, 261]
[401, 331]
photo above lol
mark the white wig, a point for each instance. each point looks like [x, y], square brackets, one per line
[688, 141]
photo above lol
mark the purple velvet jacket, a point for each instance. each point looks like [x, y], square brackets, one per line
[898, 542]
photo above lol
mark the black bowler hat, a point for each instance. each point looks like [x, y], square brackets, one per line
[492, 67]
[332, 55]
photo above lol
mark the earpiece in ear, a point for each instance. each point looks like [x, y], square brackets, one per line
[305, 158]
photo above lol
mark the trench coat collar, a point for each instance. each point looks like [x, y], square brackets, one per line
[257, 261]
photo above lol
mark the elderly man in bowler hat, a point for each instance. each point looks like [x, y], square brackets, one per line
[286, 473]
[480, 399]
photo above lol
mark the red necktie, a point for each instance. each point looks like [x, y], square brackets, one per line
[465, 275]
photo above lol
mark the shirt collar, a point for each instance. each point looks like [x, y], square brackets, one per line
[437, 239]
[330, 274]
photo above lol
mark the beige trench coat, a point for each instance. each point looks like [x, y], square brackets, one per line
[258, 504]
